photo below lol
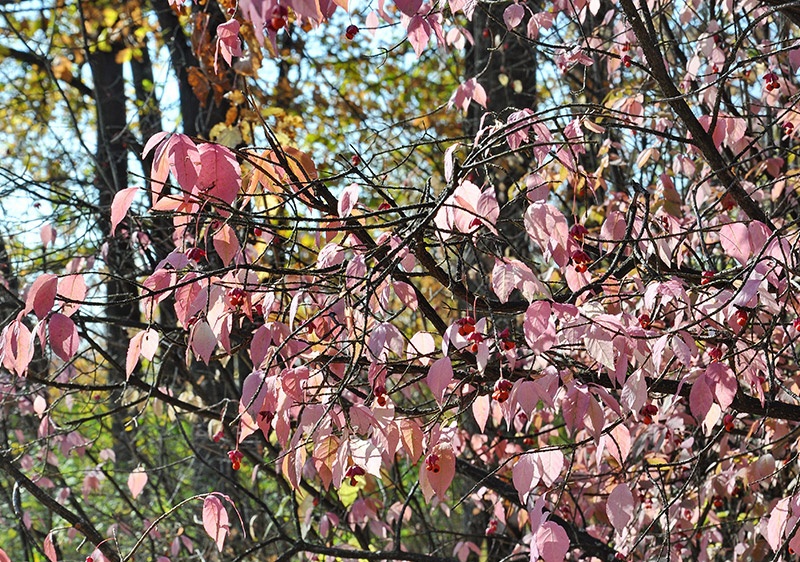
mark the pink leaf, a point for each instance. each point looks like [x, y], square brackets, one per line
[120, 205]
[548, 465]
[513, 15]
[49, 548]
[439, 376]
[3, 556]
[620, 507]
[136, 481]
[72, 290]
[203, 341]
[735, 240]
[700, 398]
[63, 336]
[467, 92]
[406, 294]
[47, 234]
[618, 443]
[149, 343]
[215, 520]
[348, 199]
[540, 333]
[419, 33]
[42, 295]
[725, 385]
[226, 244]
[408, 7]
[437, 480]
[548, 227]
[481, 407]
[525, 476]
[220, 175]
[777, 524]
[420, 345]
[552, 542]
[228, 43]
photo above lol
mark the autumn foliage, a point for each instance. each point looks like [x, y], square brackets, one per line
[495, 328]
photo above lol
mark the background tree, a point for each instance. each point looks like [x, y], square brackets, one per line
[331, 320]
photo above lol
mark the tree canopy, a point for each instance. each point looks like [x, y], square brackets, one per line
[407, 280]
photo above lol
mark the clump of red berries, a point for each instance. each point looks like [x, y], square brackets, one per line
[788, 128]
[218, 436]
[727, 422]
[647, 412]
[354, 471]
[236, 459]
[771, 81]
[474, 338]
[645, 321]
[196, 254]
[501, 390]
[581, 260]
[740, 318]
[627, 61]
[432, 463]
[506, 341]
[578, 232]
[707, 277]
[351, 32]
[380, 395]
[236, 297]
[278, 19]
[715, 353]
[466, 326]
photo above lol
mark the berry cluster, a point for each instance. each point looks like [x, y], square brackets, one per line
[771, 81]
[501, 390]
[581, 260]
[432, 463]
[236, 459]
[354, 471]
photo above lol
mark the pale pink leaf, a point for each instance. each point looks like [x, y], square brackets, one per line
[525, 476]
[552, 542]
[700, 398]
[406, 294]
[47, 234]
[215, 520]
[136, 481]
[226, 244]
[777, 524]
[419, 33]
[439, 376]
[228, 43]
[408, 7]
[538, 328]
[725, 384]
[513, 15]
[63, 336]
[420, 345]
[149, 343]
[735, 240]
[134, 351]
[348, 200]
[548, 464]
[3, 556]
[204, 341]
[49, 548]
[438, 481]
[121, 205]
[220, 176]
[481, 407]
[72, 290]
[42, 295]
[618, 443]
[620, 507]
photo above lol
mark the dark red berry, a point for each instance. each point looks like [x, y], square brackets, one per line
[351, 32]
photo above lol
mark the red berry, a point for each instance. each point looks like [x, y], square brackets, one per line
[432, 463]
[717, 501]
[486, 33]
[384, 206]
[196, 254]
[491, 528]
[644, 321]
[581, 260]
[796, 324]
[351, 32]
[355, 160]
[577, 232]
[715, 353]
[626, 61]
[466, 326]
[707, 277]
[218, 436]
[727, 422]
[277, 22]
[236, 297]
[740, 318]
[235, 457]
